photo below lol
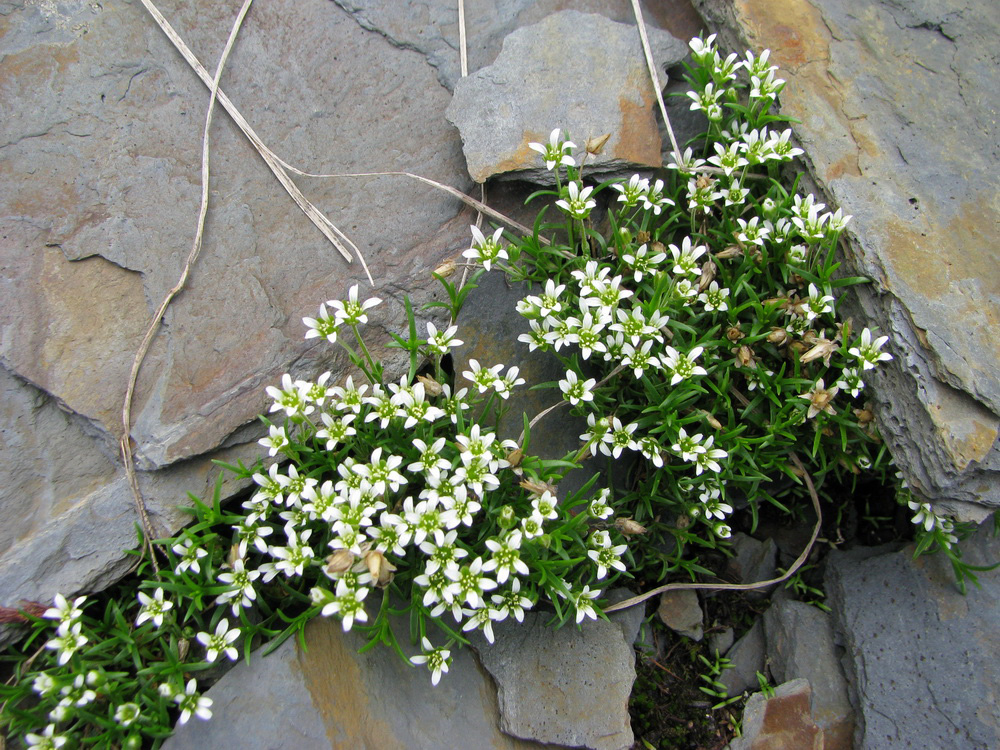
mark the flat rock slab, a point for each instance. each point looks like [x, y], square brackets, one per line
[100, 126]
[681, 612]
[920, 657]
[800, 644]
[576, 71]
[332, 698]
[782, 721]
[899, 124]
[569, 686]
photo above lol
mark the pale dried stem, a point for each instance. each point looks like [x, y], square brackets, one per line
[147, 340]
[651, 66]
[277, 166]
[799, 561]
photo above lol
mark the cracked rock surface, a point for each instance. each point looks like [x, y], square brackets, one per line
[899, 123]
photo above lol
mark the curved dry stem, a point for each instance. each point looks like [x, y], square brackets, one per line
[154, 326]
[799, 561]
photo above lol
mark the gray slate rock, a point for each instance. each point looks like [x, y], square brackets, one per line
[900, 132]
[681, 612]
[332, 698]
[782, 722]
[800, 644]
[575, 71]
[569, 686]
[721, 642]
[920, 657]
[101, 134]
[754, 561]
[746, 659]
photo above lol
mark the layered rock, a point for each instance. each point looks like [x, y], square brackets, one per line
[899, 132]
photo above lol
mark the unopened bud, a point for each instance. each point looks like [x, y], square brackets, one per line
[734, 334]
[712, 421]
[643, 237]
[708, 270]
[865, 416]
[628, 527]
[446, 269]
[431, 386]
[339, 562]
[745, 356]
[515, 457]
[538, 488]
[508, 518]
[730, 252]
[594, 146]
[380, 568]
[183, 646]
[778, 336]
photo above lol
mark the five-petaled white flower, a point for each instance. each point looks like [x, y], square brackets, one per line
[486, 250]
[153, 607]
[556, 151]
[576, 201]
[436, 659]
[352, 312]
[191, 702]
[867, 351]
[219, 642]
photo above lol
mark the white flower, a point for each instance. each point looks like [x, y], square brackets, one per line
[686, 258]
[436, 659]
[481, 377]
[599, 507]
[352, 312]
[576, 390]
[632, 192]
[584, 603]
[709, 459]
[867, 351]
[817, 304]
[127, 714]
[682, 366]
[190, 555]
[276, 440]
[290, 398]
[608, 557]
[47, 740]
[220, 641]
[242, 591]
[68, 641]
[510, 602]
[577, 203]
[190, 702]
[325, 326]
[441, 342]
[153, 608]
[556, 152]
[484, 250]
[714, 298]
[63, 610]
[506, 557]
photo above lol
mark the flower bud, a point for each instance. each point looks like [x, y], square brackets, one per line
[712, 420]
[508, 518]
[796, 349]
[446, 269]
[594, 146]
[734, 334]
[380, 568]
[730, 252]
[183, 646]
[708, 270]
[628, 527]
[545, 540]
[778, 336]
[538, 488]
[339, 562]
[643, 237]
[431, 386]
[515, 457]
[865, 416]
[745, 356]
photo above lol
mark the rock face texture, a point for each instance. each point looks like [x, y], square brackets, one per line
[564, 687]
[100, 127]
[920, 657]
[781, 722]
[579, 72]
[332, 698]
[901, 131]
